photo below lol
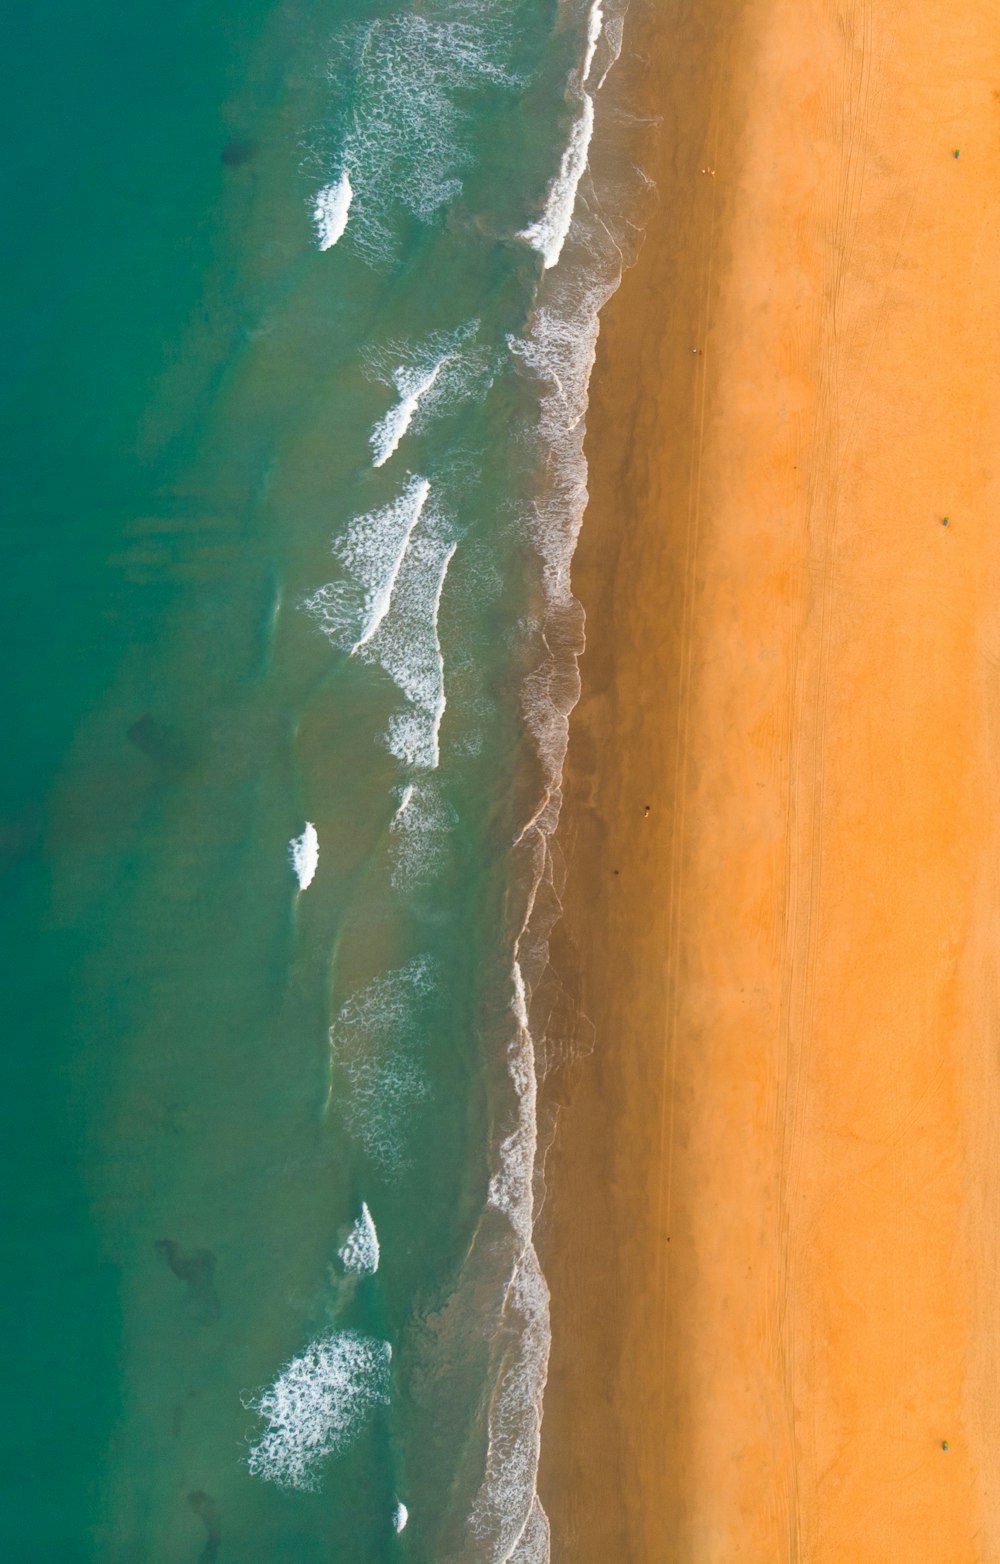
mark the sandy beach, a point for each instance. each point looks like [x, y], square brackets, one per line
[774, 1195]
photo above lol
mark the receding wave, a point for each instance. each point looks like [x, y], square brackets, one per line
[317, 1404]
[549, 232]
[507, 1510]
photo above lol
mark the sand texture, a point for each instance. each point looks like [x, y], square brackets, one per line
[772, 1228]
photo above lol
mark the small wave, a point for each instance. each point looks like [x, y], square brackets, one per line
[330, 211]
[407, 645]
[438, 373]
[359, 1252]
[400, 1516]
[303, 854]
[317, 1405]
[548, 234]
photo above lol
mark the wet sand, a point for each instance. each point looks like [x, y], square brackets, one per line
[774, 1194]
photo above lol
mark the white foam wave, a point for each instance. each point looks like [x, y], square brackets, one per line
[411, 384]
[350, 610]
[317, 1405]
[400, 1516]
[330, 211]
[595, 23]
[378, 605]
[303, 854]
[549, 233]
[359, 1252]
[372, 1045]
[436, 374]
[408, 646]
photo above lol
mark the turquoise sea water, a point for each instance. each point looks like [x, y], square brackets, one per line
[296, 342]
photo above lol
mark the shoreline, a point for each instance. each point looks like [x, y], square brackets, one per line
[771, 1199]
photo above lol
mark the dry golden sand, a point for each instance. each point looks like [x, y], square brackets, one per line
[772, 1235]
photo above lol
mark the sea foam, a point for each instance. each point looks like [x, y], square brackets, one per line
[400, 1516]
[406, 82]
[359, 1253]
[375, 1080]
[317, 1404]
[330, 211]
[303, 854]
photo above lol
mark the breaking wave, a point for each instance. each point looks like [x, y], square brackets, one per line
[359, 1253]
[303, 854]
[330, 209]
[396, 560]
[434, 375]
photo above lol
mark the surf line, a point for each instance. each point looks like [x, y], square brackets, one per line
[441, 703]
[383, 597]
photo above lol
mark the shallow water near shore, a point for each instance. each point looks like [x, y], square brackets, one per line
[302, 310]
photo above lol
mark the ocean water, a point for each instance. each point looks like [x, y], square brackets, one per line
[301, 303]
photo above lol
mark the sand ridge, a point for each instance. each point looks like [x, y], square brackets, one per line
[781, 1291]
